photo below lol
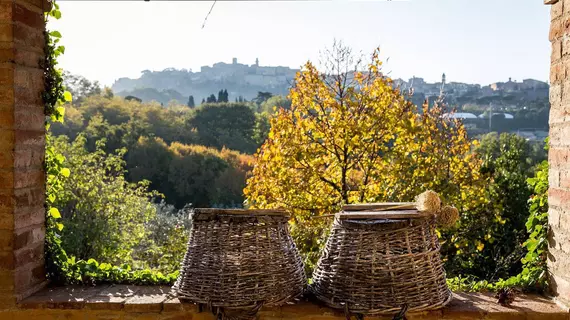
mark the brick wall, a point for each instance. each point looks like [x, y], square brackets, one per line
[22, 149]
[559, 155]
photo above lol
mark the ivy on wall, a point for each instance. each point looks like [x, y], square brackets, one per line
[62, 268]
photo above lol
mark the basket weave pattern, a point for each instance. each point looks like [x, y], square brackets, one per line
[240, 261]
[377, 266]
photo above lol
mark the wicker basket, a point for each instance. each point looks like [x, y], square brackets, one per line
[238, 260]
[381, 262]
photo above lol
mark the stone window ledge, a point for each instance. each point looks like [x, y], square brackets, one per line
[154, 302]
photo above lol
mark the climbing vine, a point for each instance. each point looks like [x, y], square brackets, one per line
[62, 268]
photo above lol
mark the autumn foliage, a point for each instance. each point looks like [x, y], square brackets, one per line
[351, 136]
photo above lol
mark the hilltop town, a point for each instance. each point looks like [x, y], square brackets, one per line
[239, 79]
[246, 80]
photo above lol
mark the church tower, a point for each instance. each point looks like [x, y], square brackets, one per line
[442, 89]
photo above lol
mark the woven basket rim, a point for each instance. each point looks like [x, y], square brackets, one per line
[241, 212]
[374, 205]
[383, 215]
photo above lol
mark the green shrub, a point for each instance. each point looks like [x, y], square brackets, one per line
[103, 214]
[164, 247]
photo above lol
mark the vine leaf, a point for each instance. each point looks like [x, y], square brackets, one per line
[65, 172]
[54, 213]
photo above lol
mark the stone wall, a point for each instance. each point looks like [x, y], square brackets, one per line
[22, 149]
[559, 154]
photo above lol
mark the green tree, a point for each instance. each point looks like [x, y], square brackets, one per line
[211, 99]
[191, 103]
[510, 161]
[80, 87]
[275, 102]
[227, 125]
[129, 97]
[262, 97]
[103, 214]
[262, 127]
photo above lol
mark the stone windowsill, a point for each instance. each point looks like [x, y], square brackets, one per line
[154, 302]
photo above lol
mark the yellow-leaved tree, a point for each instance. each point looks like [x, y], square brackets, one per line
[351, 136]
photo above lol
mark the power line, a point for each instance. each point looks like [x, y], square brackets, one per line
[205, 19]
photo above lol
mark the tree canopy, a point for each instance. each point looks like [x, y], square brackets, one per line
[351, 137]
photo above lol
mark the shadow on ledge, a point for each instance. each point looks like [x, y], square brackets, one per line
[156, 302]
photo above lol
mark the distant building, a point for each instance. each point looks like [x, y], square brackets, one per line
[460, 115]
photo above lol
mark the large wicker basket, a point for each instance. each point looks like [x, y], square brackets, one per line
[239, 260]
[381, 263]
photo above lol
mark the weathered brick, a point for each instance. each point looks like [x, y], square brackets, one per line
[28, 36]
[560, 134]
[6, 76]
[559, 114]
[559, 158]
[6, 157]
[29, 197]
[7, 55]
[564, 179]
[29, 255]
[554, 216]
[557, 72]
[28, 277]
[29, 138]
[6, 32]
[28, 236]
[29, 158]
[6, 241]
[556, 50]
[29, 216]
[559, 197]
[565, 46]
[6, 220]
[6, 12]
[564, 224]
[6, 95]
[28, 17]
[556, 10]
[7, 260]
[28, 58]
[555, 94]
[560, 288]
[565, 92]
[559, 261]
[28, 178]
[7, 201]
[6, 179]
[28, 86]
[29, 118]
[6, 279]
[44, 5]
[6, 119]
[557, 29]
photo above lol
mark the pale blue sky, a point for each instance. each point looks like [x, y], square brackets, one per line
[477, 41]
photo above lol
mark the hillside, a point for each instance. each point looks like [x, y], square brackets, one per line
[239, 79]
